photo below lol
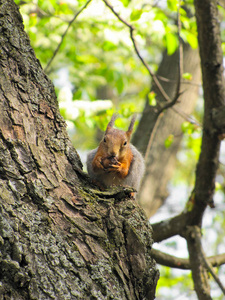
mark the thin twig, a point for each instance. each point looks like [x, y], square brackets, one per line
[174, 80]
[186, 117]
[180, 65]
[152, 135]
[207, 264]
[64, 34]
[180, 53]
[131, 28]
[216, 278]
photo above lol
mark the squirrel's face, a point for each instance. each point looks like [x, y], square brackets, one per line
[115, 143]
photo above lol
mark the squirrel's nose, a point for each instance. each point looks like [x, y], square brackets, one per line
[112, 154]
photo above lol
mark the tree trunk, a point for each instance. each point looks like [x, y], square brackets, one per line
[60, 238]
[161, 161]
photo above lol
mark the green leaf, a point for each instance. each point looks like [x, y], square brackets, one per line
[171, 43]
[187, 76]
[78, 94]
[172, 4]
[168, 142]
[151, 99]
[109, 46]
[136, 14]
[125, 2]
[185, 126]
[120, 85]
[87, 59]
[188, 127]
[223, 47]
[192, 40]
[33, 20]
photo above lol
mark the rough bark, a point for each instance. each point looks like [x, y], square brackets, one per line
[60, 238]
[214, 99]
[161, 161]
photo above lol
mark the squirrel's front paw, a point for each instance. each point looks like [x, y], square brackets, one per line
[108, 162]
[114, 168]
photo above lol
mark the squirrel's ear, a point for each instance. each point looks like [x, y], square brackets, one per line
[131, 126]
[111, 122]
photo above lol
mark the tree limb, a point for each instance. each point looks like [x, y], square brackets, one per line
[153, 76]
[207, 263]
[199, 272]
[214, 95]
[183, 263]
[170, 260]
[170, 227]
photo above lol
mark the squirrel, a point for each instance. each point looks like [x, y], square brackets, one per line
[116, 161]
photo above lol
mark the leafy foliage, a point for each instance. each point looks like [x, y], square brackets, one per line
[97, 50]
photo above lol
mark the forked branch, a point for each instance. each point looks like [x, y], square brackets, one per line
[153, 76]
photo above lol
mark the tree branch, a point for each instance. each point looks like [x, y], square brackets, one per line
[199, 272]
[180, 66]
[64, 34]
[180, 53]
[151, 139]
[162, 78]
[186, 117]
[207, 263]
[170, 227]
[170, 260]
[214, 95]
[183, 263]
[153, 76]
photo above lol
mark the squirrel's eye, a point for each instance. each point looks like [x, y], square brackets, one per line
[104, 140]
[125, 143]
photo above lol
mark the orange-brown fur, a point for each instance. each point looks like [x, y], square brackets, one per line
[116, 161]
